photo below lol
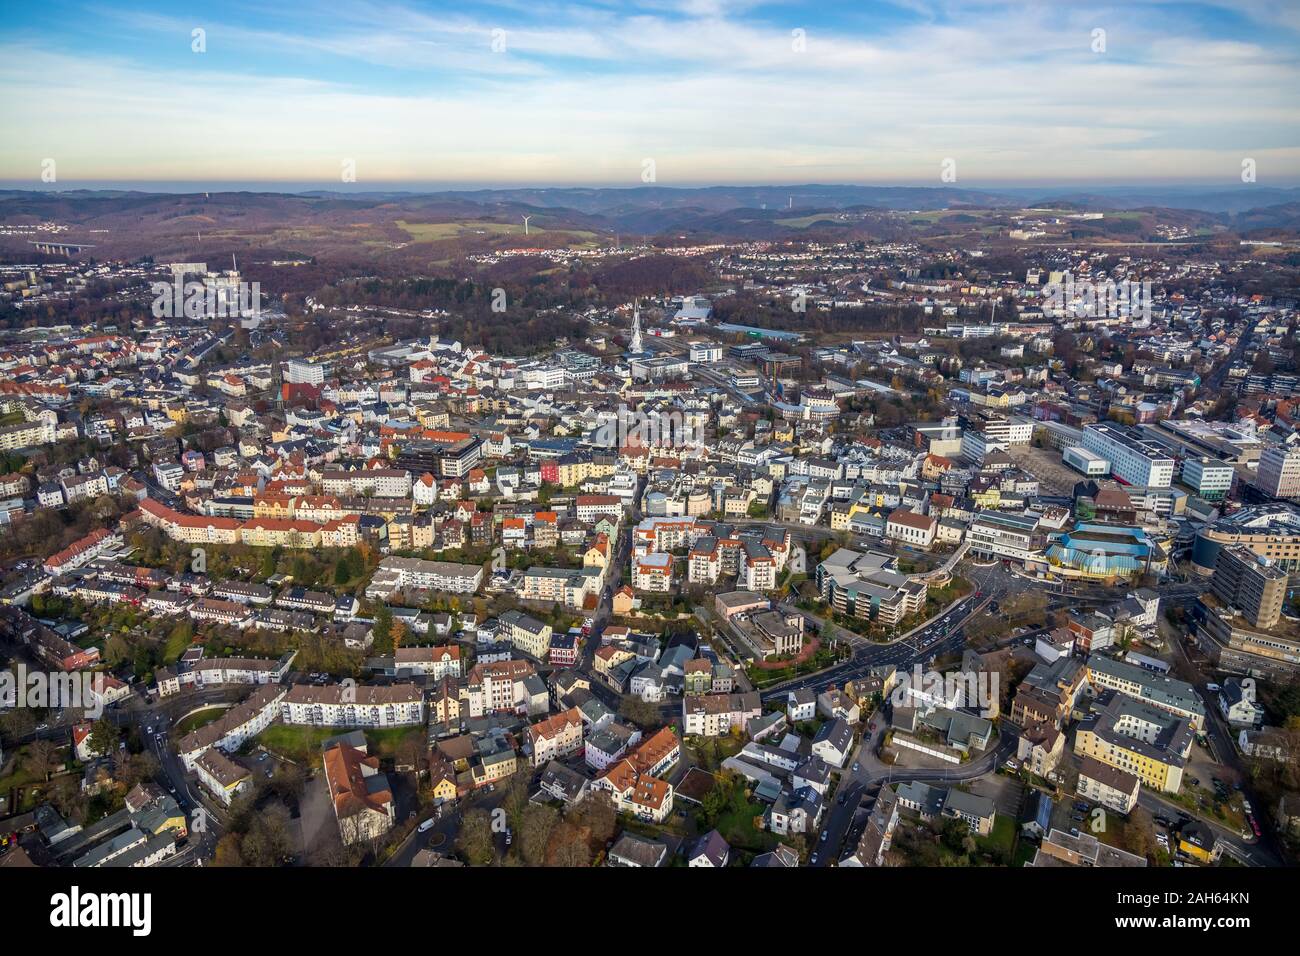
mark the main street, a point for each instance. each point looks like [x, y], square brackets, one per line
[943, 635]
[939, 636]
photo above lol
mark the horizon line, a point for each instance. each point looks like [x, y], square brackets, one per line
[416, 187]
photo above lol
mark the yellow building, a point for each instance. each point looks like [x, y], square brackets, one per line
[597, 556]
[1151, 744]
[444, 787]
[1197, 841]
[272, 533]
[273, 506]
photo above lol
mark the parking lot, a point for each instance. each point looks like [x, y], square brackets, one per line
[1054, 476]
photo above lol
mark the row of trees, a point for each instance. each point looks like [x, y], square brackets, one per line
[542, 834]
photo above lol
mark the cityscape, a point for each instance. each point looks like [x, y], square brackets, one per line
[693, 507]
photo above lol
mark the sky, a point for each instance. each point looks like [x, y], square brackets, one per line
[625, 92]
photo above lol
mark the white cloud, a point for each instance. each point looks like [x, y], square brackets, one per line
[1013, 92]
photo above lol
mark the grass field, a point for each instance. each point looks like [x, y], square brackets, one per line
[437, 231]
[803, 222]
[303, 743]
[177, 642]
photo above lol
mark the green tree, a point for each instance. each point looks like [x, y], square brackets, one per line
[104, 736]
[383, 630]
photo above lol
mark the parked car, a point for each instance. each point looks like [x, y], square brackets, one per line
[424, 827]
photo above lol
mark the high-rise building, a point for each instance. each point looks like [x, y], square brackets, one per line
[1253, 585]
[1279, 471]
[304, 373]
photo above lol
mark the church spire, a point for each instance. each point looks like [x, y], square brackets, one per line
[635, 346]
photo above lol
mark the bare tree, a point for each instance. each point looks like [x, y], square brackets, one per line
[570, 849]
[39, 759]
[475, 839]
[598, 815]
[539, 822]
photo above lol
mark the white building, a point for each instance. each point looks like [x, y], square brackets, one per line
[1211, 478]
[353, 705]
[1132, 460]
[304, 373]
[1279, 471]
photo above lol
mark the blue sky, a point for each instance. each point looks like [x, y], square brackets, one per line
[711, 91]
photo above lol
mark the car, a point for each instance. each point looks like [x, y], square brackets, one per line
[509, 838]
[171, 790]
[825, 832]
[871, 727]
[857, 765]
[424, 827]
[813, 858]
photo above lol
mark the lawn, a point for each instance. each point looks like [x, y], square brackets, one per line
[303, 743]
[736, 824]
[199, 718]
[19, 778]
[31, 787]
[762, 677]
[177, 642]
[1002, 840]
[709, 752]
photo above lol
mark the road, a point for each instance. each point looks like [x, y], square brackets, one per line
[871, 776]
[1253, 854]
[150, 719]
[1267, 850]
[942, 636]
[990, 582]
[620, 559]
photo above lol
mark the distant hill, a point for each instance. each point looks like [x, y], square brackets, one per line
[414, 229]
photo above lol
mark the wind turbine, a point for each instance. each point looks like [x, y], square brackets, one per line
[526, 218]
